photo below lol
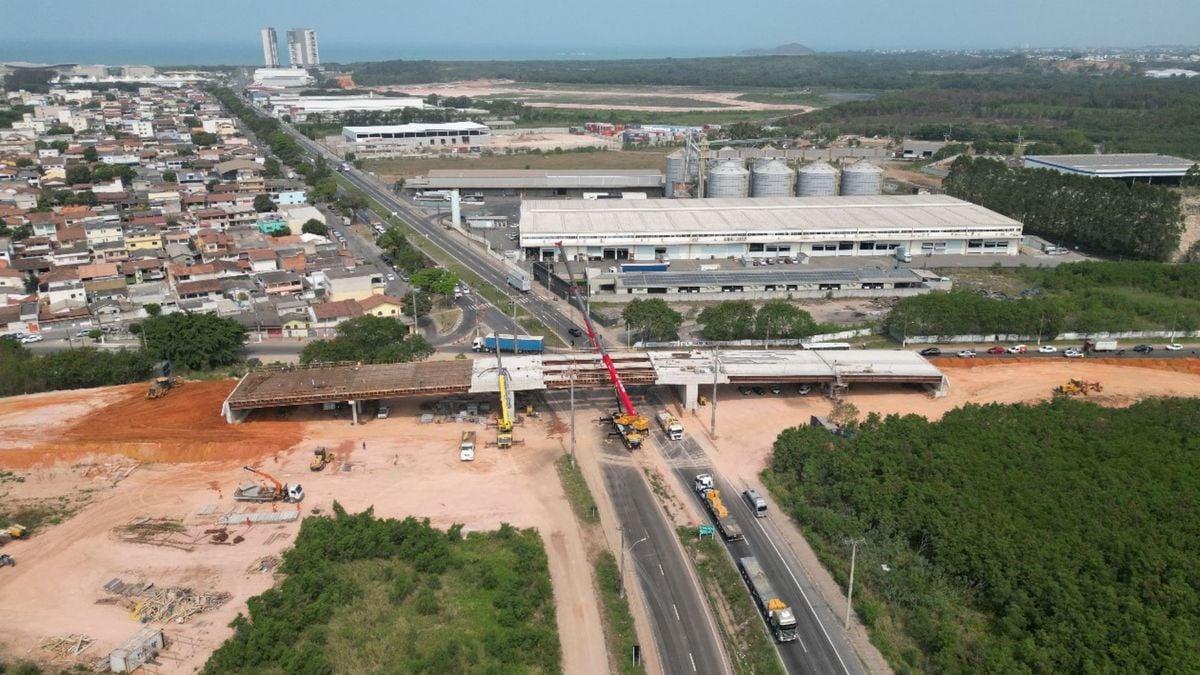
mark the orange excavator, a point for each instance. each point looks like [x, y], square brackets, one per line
[629, 425]
[276, 492]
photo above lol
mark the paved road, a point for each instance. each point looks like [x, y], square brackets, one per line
[821, 647]
[683, 630]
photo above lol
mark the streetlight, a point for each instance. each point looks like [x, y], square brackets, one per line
[850, 589]
[621, 567]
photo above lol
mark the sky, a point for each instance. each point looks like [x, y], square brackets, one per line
[226, 31]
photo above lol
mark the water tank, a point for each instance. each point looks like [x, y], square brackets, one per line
[675, 164]
[818, 179]
[772, 178]
[728, 178]
[862, 178]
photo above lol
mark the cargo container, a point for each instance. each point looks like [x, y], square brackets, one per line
[527, 344]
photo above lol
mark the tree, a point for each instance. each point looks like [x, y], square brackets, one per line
[435, 280]
[272, 168]
[78, 173]
[424, 303]
[369, 339]
[844, 414]
[203, 138]
[653, 319]
[194, 341]
[31, 282]
[90, 154]
[1192, 177]
[169, 176]
[780, 319]
[263, 203]
[314, 226]
[733, 320]
[152, 309]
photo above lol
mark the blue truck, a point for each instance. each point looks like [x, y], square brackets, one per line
[646, 267]
[517, 344]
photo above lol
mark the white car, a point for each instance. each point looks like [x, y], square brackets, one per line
[1018, 349]
[31, 338]
[391, 277]
[1173, 347]
[1047, 349]
[966, 354]
[1073, 354]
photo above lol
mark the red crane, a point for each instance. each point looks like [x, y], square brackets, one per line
[630, 425]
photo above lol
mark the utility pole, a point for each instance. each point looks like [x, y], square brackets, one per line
[716, 371]
[572, 411]
[621, 567]
[850, 589]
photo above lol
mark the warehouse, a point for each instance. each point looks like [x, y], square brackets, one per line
[536, 183]
[672, 229]
[767, 283]
[389, 140]
[1140, 167]
[300, 107]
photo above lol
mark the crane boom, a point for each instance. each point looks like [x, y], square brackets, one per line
[504, 425]
[264, 474]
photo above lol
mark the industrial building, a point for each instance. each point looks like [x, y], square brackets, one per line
[756, 283]
[533, 183]
[397, 139]
[282, 78]
[270, 45]
[674, 229]
[302, 48]
[1140, 167]
[300, 107]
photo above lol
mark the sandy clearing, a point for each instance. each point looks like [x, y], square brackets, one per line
[398, 466]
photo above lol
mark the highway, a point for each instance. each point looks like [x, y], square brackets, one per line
[685, 634]
[820, 647]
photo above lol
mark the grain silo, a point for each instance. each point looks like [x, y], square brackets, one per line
[818, 179]
[772, 178]
[728, 178]
[862, 178]
[675, 164]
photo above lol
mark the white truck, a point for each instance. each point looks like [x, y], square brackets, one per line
[519, 279]
[1100, 346]
[670, 426]
[466, 446]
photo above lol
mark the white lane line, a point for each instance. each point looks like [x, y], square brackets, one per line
[693, 661]
[802, 645]
[661, 570]
[676, 611]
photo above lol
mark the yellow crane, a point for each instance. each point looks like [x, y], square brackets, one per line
[504, 425]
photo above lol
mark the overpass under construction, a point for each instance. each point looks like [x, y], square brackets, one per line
[688, 370]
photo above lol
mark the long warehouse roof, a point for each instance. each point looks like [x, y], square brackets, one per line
[776, 275]
[1116, 165]
[645, 216]
[415, 127]
[542, 178]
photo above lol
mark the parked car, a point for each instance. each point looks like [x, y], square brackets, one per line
[804, 389]
[966, 354]
[776, 389]
[84, 332]
[1073, 353]
[1047, 349]
[744, 390]
[931, 351]
[1173, 347]
[1018, 349]
[31, 338]
[996, 350]
[391, 277]
[574, 332]
[1143, 349]
[758, 391]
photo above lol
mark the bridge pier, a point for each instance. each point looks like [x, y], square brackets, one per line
[691, 393]
[354, 411]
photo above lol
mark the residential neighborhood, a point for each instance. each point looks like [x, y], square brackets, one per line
[115, 200]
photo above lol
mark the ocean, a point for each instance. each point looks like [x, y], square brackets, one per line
[249, 52]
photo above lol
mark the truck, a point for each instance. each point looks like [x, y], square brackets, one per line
[518, 279]
[670, 426]
[646, 267]
[902, 255]
[466, 446]
[711, 497]
[275, 492]
[779, 617]
[1100, 346]
[517, 344]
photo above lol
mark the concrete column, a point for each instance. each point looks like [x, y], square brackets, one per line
[455, 208]
[690, 395]
[354, 410]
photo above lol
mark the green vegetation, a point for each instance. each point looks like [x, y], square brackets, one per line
[435, 280]
[368, 339]
[1083, 297]
[372, 595]
[742, 630]
[314, 226]
[652, 319]
[1135, 220]
[1048, 538]
[404, 255]
[775, 320]
[22, 372]
[37, 514]
[577, 490]
[193, 341]
[617, 619]
[601, 159]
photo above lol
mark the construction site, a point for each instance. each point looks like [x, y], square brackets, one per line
[176, 517]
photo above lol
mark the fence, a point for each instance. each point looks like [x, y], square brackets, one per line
[790, 342]
[1013, 337]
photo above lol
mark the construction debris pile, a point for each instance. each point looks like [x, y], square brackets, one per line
[157, 532]
[67, 646]
[113, 472]
[148, 604]
[456, 409]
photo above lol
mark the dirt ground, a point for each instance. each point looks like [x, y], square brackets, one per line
[398, 466]
[550, 141]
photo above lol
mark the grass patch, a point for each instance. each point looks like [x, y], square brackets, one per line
[618, 621]
[742, 628]
[628, 100]
[10, 477]
[39, 514]
[369, 595]
[601, 159]
[577, 490]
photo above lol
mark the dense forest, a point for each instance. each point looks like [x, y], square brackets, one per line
[1109, 216]
[1087, 297]
[1057, 538]
[364, 594]
[23, 372]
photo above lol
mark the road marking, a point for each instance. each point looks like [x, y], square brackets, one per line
[771, 541]
[676, 611]
[802, 645]
[693, 661]
[661, 570]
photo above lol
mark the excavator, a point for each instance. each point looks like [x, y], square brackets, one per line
[629, 425]
[277, 492]
[504, 425]
[1077, 388]
[163, 382]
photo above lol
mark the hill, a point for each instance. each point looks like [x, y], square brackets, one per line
[790, 49]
